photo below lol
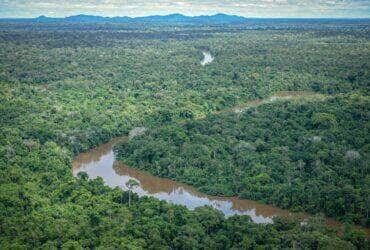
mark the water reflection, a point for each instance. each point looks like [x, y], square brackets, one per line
[207, 58]
[101, 162]
[281, 95]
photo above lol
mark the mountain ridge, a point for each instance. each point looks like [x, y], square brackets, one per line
[172, 18]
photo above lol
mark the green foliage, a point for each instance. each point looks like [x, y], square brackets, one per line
[291, 154]
[65, 88]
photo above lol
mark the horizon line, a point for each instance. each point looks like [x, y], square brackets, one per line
[177, 13]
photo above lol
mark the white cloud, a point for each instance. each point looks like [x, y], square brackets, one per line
[251, 8]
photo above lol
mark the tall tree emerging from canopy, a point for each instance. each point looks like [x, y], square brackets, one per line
[131, 184]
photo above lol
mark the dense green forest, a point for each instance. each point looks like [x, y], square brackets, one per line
[310, 154]
[65, 88]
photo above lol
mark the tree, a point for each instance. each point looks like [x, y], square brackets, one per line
[83, 175]
[131, 183]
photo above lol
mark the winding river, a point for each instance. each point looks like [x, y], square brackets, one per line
[101, 162]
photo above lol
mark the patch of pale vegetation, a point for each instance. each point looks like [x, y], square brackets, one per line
[137, 132]
[353, 155]
[244, 146]
[316, 138]
[31, 144]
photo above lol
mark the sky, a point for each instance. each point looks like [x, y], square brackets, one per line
[133, 8]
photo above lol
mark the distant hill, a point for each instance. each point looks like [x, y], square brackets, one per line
[173, 18]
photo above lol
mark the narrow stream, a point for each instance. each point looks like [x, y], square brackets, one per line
[207, 58]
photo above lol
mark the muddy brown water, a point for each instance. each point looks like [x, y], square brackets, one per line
[281, 95]
[101, 162]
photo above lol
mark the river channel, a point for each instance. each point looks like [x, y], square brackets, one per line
[101, 162]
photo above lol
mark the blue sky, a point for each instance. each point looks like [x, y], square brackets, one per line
[248, 8]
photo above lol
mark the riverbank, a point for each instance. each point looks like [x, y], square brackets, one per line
[264, 153]
[102, 162]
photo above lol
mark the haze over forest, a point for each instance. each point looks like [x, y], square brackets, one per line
[135, 8]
